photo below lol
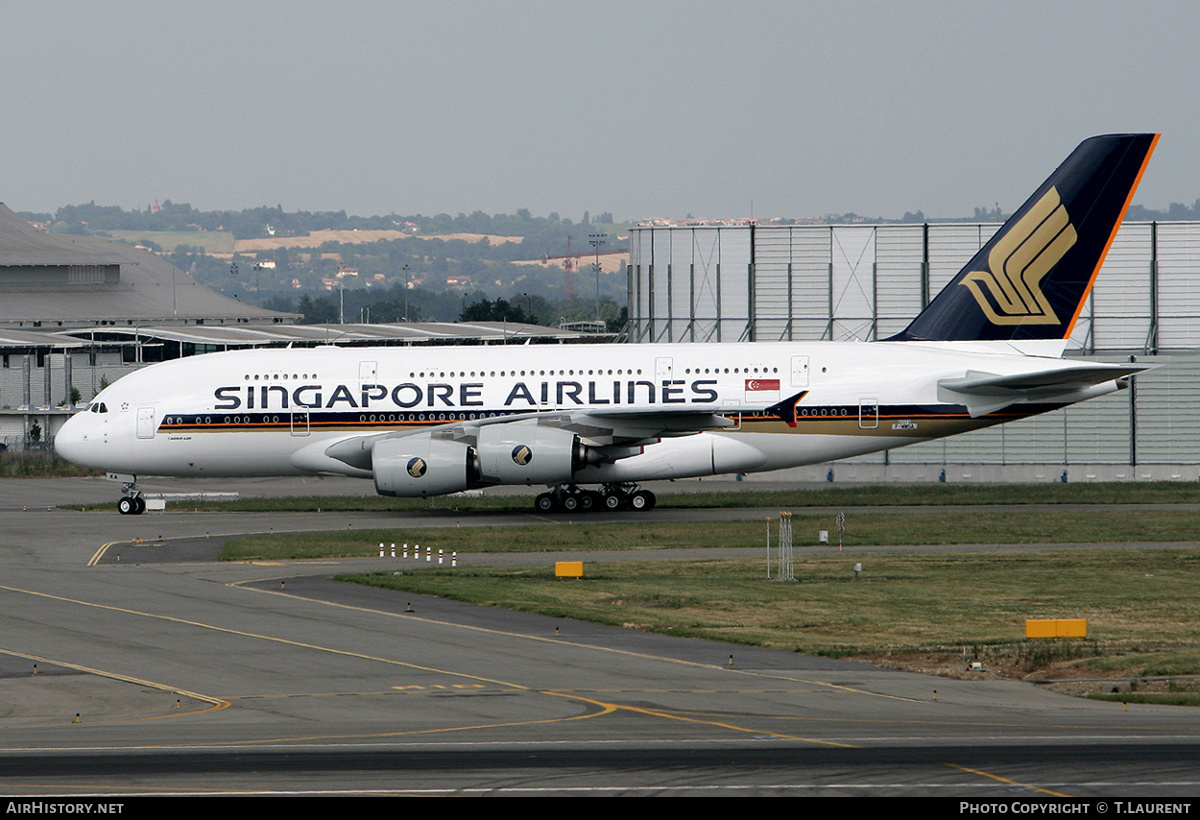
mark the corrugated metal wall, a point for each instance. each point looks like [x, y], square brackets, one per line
[865, 282]
[841, 282]
[84, 377]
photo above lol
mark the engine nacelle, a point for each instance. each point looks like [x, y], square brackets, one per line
[419, 465]
[528, 453]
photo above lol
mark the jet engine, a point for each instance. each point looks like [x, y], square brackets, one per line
[421, 465]
[528, 453]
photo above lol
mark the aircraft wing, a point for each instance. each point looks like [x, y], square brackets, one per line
[615, 427]
[984, 393]
[615, 433]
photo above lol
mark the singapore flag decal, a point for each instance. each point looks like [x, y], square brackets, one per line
[756, 385]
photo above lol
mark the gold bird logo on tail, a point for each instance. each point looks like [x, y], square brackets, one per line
[1010, 293]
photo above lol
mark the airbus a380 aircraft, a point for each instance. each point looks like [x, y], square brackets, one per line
[429, 421]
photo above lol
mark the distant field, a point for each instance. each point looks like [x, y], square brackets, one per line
[492, 238]
[222, 243]
[315, 239]
[318, 238]
[610, 263]
[213, 242]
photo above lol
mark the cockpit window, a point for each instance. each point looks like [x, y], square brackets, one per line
[98, 407]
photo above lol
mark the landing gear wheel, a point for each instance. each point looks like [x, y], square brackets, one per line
[545, 503]
[588, 501]
[131, 502]
[613, 502]
[642, 501]
[570, 503]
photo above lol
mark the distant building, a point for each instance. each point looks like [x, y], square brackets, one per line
[60, 281]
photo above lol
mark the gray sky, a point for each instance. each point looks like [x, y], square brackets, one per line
[639, 108]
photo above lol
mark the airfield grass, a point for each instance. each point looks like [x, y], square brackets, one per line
[1141, 607]
[40, 465]
[1160, 492]
[592, 532]
[900, 601]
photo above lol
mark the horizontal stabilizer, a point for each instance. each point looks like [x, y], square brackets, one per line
[984, 393]
[786, 409]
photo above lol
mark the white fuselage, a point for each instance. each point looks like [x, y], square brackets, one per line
[274, 412]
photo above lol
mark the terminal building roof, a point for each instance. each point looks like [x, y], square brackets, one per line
[59, 281]
[221, 337]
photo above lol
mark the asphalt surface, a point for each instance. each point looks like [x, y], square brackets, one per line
[168, 673]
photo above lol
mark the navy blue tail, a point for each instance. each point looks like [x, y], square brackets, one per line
[1032, 279]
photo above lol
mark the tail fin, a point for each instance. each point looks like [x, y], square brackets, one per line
[1032, 279]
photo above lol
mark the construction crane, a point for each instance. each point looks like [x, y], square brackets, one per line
[568, 264]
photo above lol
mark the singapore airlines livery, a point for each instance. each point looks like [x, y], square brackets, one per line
[429, 421]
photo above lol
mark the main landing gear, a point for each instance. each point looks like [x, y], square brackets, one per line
[132, 502]
[570, 498]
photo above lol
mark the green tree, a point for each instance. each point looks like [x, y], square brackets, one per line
[498, 311]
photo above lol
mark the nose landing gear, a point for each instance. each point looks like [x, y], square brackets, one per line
[132, 502]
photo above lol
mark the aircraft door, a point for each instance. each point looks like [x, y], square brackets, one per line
[799, 371]
[145, 422]
[300, 421]
[868, 413]
[664, 367]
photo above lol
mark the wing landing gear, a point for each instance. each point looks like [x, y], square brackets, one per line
[612, 497]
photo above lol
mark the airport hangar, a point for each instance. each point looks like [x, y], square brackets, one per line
[78, 312]
[741, 281]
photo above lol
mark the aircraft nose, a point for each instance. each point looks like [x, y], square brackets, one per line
[72, 440]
